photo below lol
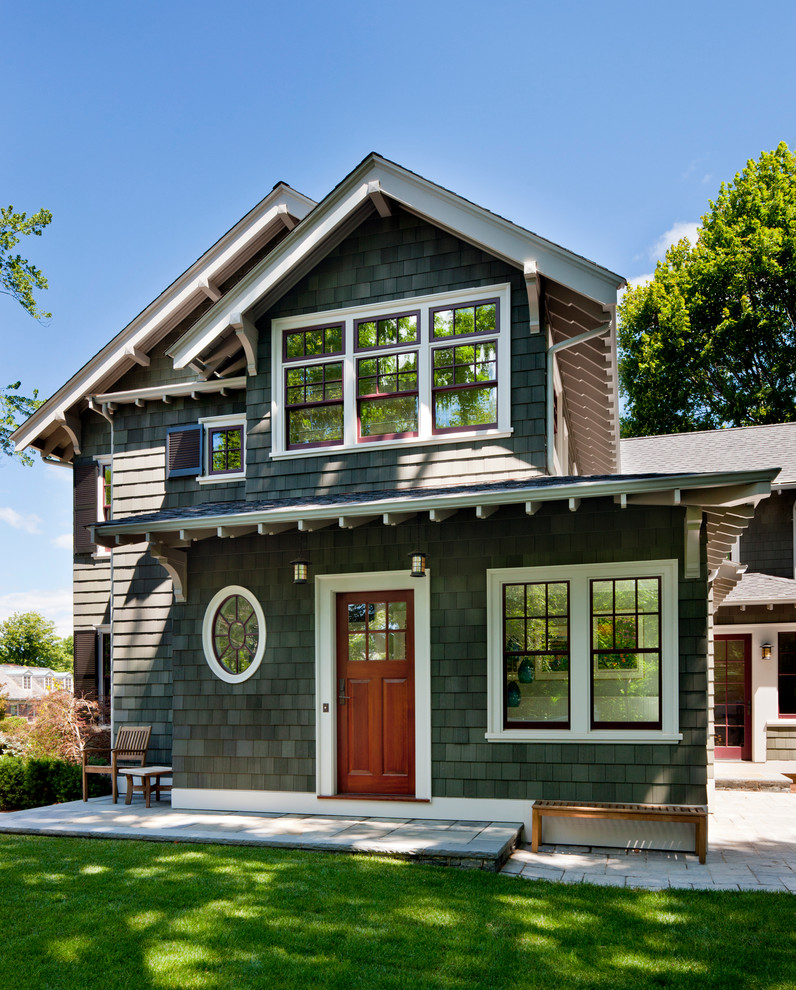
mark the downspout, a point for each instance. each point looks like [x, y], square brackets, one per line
[103, 411]
[562, 345]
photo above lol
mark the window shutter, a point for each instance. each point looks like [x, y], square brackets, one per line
[86, 662]
[184, 451]
[86, 481]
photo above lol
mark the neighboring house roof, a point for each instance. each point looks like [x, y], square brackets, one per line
[735, 449]
[762, 589]
[12, 681]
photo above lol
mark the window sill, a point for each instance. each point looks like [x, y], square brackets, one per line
[372, 445]
[220, 479]
[613, 737]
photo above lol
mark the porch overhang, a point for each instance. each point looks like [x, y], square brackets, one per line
[724, 501]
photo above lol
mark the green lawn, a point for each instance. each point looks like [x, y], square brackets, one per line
[92, 913]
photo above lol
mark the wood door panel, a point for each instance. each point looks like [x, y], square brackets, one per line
[375, 705]
[395, 706]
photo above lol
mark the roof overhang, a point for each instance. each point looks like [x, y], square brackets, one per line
[726, 500]
[371, 186]
[280, 210]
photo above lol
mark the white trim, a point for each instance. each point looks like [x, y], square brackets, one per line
[306, 803]
[424, 347]
[580, 680]
[436, 440]
[439, 206]
[207, 634]
[158, 392]
[327, 586]
[232, 419]
[103, 461]
[178, 299]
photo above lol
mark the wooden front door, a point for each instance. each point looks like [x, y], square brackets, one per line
[732, 702]
[376, 693]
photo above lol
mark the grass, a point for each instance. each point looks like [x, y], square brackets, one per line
[92, 913]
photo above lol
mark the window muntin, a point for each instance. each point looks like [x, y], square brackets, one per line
[626, 652]
[465, 320]
[536, 654]
[233, 634]
[387, 398]
[314, 403]
[316, 341]
[387, 331]
[487, 408]
[464, 387]
[581, 660]
[225, 450]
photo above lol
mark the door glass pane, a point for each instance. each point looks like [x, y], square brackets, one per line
[397, 615]
[397, 645]
[377, 646]
[356, 646]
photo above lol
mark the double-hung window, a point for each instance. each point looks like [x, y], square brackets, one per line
[429, 369]
[584, 652]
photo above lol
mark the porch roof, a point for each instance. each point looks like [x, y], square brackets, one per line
[762, 589]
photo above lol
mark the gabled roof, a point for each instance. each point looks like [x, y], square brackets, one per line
[576, 295]
[48, 428]
[734, 449]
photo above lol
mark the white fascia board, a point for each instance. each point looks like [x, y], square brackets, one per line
[496, 235]
[472, 223]
[552, 493]
[177, 389]
[253, 286]
[169, 302]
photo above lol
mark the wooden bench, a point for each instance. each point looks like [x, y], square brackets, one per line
[693, 814]
[147, 775]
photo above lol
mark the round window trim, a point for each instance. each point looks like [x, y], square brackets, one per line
[207, 634]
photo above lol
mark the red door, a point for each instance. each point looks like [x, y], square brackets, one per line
[375, 693]
[732, 702]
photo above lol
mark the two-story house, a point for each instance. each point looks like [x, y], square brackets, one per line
[754, 695]
[350, 532]
[23, 686]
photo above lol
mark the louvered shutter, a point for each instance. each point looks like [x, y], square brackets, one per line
[86, 480]
[184, 451]
[86, 662]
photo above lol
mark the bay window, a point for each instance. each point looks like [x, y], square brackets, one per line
[432, 369]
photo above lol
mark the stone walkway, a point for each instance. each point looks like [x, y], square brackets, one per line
[751, 846]
[473, 845]
[751, 841]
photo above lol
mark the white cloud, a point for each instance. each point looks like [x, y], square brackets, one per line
[29, 524]
[639, 279]
[63, 542]
[683, 228]
[54, 604]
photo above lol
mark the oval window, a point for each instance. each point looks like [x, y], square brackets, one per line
[233, 634]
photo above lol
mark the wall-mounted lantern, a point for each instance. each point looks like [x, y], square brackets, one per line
[765, 650]
[301, 569]
[418, 563]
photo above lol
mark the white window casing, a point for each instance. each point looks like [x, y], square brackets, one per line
[579, 577]
[213, 663]
[208, 423]
[424, 346]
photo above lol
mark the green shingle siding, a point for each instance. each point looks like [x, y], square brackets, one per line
[275, 709]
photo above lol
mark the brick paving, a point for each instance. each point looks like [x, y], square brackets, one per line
[751, 846]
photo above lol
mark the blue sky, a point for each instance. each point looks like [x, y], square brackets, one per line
[150, 128]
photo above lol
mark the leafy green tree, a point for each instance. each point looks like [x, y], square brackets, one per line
[19, 278]
[27, 638]
[710, 341]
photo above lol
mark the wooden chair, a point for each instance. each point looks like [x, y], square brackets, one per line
[132, 743]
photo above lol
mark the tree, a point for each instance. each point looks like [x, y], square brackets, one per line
[19, 279]
[710, 341]
[27, 638]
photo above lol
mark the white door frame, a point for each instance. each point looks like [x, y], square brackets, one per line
[327, 587]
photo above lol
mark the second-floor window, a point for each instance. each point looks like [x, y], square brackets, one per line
[433, 368]
[214, 449]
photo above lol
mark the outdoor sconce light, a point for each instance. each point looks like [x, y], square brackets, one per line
[301, 569]
[766, 651]
[418, 564]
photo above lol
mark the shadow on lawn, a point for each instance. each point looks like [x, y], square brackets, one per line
[85, 913]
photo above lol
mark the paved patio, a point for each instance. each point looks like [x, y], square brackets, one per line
[751, 836]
